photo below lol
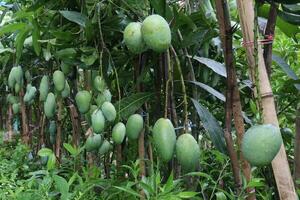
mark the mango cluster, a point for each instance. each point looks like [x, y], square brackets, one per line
[153, 33]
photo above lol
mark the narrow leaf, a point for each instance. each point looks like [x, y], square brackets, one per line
[75, 17]
[284, 66]
[129, 105]
[9, 28]
[289, 17]
[217, 67]
[212, 126]
[70, 149]
[36, 37]
[209, 89]
[19, 43]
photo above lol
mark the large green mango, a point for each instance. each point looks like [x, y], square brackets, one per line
[30, 93]
[156, 33]
[99, 84]
[134, 126]
[187, 152]
[93, 142]
[83, 100]
[88, 115]
[133, 37]
[11, 99]
[98, 121]
[109, 111]
[16, 108]
[261, 144]
[105, 147]
[18, 74]
[164, 138]
[118, 133]
[44, 88]
[50, 105]
[59, 80]
[66, 92]
[11, 78]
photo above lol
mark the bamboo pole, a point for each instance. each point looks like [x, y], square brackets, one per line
[280, 164]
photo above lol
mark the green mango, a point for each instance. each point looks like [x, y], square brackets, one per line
[88, 115]
[16, 108]
[30, 93]
[11, 78]
[11, 99]
[83, 100]
[18, 74]
[52, 127]
[28, 76]
[66, 92]
[99, 84]
[156, 33]
[107, 95]
[261, 144]
[187, 152]
[59, 80]
[66, 68]
[109, 111]
[100, 100]
[134, 126]
[133, 38]
[50, 105]
[44, 88]
[17, 88]
[93, 142]
[105, 147]
[98, 121]
[118, 133]
[164, 139]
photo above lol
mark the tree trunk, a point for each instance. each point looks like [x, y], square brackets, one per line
[226, 37]
[59, 129]
[25, 129]
[280, 165]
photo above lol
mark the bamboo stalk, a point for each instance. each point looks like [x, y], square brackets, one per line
[297, 148]
[280, 164]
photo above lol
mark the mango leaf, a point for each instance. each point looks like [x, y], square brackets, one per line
[75, 17]
[67, 53]
[19, 43]
[217, 67]
[293, 8]
[209, 89]
[9, 28]
[286, 68]
[289, 17]
[212, 126]
[35, 37]
[129, 105]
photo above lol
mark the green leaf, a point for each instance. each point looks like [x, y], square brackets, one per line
[212, 126]
[129, 191]
[35, 37]
[9, 28]
[129, 105]
[67, 53]
[187, 195]
[221, 196]
[256, 182]
[45, 152]
[70, 149]
[61, 184]
[293, 8]
[51, 162]
[217, 67]
[75, 17]
[289, 17]
[19, 43]
[209, 89]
